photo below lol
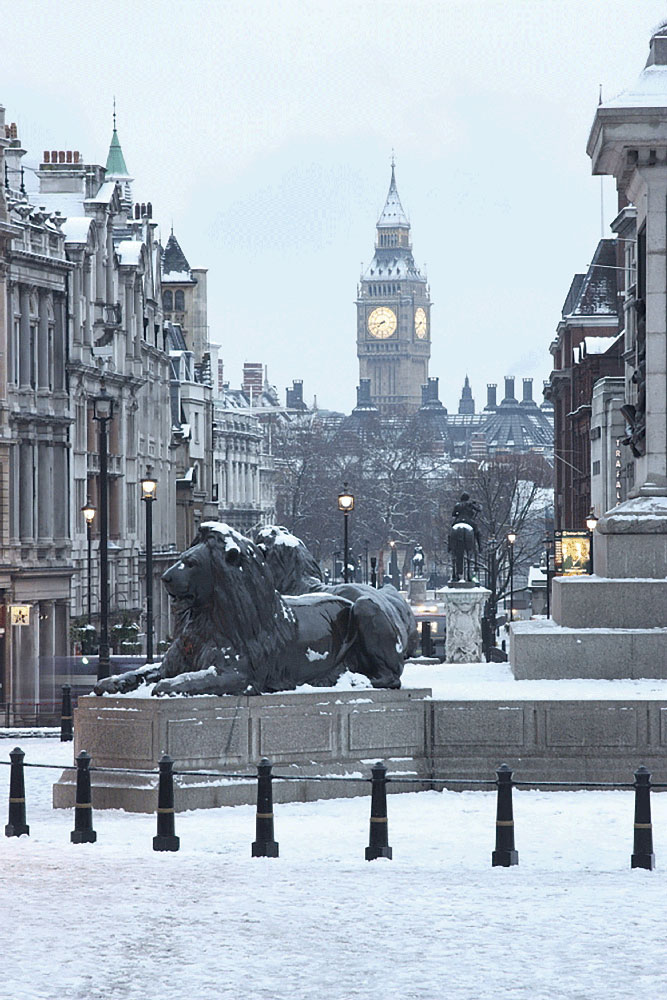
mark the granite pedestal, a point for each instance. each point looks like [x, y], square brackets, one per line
[464, 607]
[327, 733]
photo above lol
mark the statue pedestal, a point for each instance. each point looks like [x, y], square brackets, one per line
[464, 607]
[417, 590]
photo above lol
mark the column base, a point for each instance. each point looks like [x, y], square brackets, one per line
[372, 853]
[504, 859]
[265, 849]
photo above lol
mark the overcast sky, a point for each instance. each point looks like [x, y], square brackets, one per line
[264, 131]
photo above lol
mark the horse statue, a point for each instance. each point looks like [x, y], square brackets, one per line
[464, 539]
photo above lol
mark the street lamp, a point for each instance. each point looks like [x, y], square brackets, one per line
[103, 413]
[148, 495]
[511, 539]
[89, 510]
[346, 505]
[591, 521]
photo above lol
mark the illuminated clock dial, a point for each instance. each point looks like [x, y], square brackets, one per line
[382, 322]
[420, 323]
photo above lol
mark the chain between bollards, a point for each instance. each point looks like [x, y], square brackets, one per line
[17, 825]
[505, 854]
[642, 852]
[66, 732]
[166, 839]
[264, 845]
[83, 832]
[378, 838]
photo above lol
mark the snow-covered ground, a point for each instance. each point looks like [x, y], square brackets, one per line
[489, 681]
[115, 920]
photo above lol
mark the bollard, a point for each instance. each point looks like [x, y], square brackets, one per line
[166, 839]
[66, 734]
[642, 853]
[504, 855]
[427, 643]
[17, 825]
[264, 846]
[83, 832]
[378, 840]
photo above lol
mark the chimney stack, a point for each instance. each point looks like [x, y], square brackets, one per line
[491, 389]
[528, 390]
[509, 387]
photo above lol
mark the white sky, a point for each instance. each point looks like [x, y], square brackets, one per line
[264, 131]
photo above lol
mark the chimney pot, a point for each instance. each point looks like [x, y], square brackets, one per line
[77, 156]
[46, 156]
[54, 156]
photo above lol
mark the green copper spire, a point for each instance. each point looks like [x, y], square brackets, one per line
[116, 166]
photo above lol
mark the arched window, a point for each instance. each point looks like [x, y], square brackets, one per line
[179, 301]
[168, 301]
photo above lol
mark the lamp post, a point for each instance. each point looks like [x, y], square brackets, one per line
[366, 544]
[148, 495]
[103, 413]
[548, 545]
[511, 539]
[346, 505]
[591, 521]
[89, 510]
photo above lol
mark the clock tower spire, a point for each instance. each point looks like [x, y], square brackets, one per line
[394, 315]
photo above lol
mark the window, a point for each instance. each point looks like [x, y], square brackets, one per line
[179, 301]
[596, 468]
[168, 301]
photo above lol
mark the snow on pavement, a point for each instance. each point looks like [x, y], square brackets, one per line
[116, 920]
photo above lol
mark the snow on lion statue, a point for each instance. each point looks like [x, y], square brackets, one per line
[385, 624]
[235, 634]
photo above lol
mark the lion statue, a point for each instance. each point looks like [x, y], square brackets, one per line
[385, 625]
[235, 634]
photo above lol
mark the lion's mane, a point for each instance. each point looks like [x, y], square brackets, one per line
[245, 617]
[295, 569]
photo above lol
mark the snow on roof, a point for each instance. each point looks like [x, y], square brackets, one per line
[76, 229]
[69, 204]
[178, 277]
[392, 213]
[129, 252]
[105, 193]
[598, 345]
[649, 91]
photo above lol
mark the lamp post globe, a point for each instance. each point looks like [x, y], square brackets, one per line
[346, 506]
[511, 539]
[591, 522]
[89, 510]
[148, 495]
[103, 406]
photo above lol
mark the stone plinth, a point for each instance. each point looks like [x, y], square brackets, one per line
[464, 607]
[328, 732]
[600, 602]
[630, 540]
[542, 649]
[417, 590]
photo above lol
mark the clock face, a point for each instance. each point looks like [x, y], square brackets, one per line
[382, 322]
[420, 323]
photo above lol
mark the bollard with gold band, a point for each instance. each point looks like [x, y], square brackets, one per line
[83, 832]
[166, 839]
[642, 852]
[264, 845]
[17, 825]
[378, 839]
[66, 734]
[504, 855]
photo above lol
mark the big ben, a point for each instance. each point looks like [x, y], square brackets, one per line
[394, 316]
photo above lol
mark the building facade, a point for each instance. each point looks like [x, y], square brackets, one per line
[394, 316]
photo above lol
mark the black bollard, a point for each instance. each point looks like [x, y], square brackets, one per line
[264, 846]
[66, 734]
[642, 853]
[504, 855]
[166, 839]
[83, 832]
[378, 840]
[17, 825]
[427, 644]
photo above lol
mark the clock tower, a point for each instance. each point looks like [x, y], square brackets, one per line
[394, 316]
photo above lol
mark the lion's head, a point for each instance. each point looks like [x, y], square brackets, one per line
[295, 570]
[226, 600]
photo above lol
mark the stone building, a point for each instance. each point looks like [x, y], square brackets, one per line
[394, 316]
[84, 313]
[587, 347]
